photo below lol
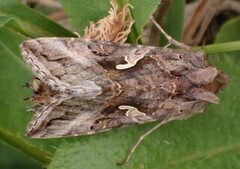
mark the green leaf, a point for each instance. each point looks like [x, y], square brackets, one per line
[29, 22]
[174, 20]
[17, 160]
[229, 31]
[81, 12]
[141, 12]
[4, 20]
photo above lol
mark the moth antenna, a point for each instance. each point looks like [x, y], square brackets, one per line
[169, 38]
[140, 139]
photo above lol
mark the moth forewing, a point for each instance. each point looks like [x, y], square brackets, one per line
[93, 86]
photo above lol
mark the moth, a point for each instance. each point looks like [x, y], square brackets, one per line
[84, 86]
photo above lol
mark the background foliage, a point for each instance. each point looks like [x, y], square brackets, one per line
[209, 140]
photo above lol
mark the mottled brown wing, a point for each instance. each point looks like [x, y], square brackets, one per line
[96, 86]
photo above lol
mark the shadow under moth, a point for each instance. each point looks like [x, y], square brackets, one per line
[84, 86]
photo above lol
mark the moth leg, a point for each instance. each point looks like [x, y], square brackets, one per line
[169, 38]
[140, 139]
